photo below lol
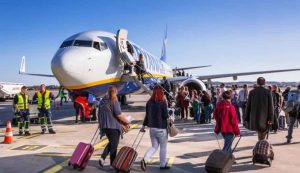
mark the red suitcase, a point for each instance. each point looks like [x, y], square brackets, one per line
[82, 154]
[127, 156]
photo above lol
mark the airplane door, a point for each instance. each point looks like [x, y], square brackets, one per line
[126, 57]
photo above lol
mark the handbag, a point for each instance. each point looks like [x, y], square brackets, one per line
[172, 130]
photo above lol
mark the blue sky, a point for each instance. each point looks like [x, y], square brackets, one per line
[231, 35]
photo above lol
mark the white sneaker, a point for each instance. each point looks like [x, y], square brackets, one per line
[101, 162]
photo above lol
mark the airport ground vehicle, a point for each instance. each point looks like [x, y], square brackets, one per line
[8, 90]
[86, 109]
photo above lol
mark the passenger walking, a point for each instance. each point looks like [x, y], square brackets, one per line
[156, 119]
[234, 101]
[226, 121]
[141, 68]
[208, 106]
[44, 98]
[285, 95]
[21, 108]
[277, 102]
[112, 124]
[242, 101]
[185, 102]
[196, 106]
[260, 109]
[294, 115]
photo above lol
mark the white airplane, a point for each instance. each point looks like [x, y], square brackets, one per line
[92, 61]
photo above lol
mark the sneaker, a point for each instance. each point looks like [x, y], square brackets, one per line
[51, 131]
[20, 133]
[289, 141]
[27, 134]
[143, 165]
[43, 132]
[101, 162]
[165, 167]
[111, 168]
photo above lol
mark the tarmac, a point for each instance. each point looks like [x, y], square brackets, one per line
[187, 152]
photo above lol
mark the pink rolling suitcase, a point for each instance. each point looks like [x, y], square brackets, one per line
[82, 154]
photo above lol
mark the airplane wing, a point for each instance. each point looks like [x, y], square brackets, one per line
[22, 70]
[188, 68]
[235, 75]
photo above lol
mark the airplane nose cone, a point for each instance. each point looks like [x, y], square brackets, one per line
[66, 65]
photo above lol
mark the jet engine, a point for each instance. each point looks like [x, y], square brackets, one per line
[194, 83]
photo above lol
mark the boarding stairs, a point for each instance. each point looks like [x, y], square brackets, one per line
[125, 56]
[129, 60]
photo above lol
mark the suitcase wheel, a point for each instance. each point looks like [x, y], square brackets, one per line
[75, 166]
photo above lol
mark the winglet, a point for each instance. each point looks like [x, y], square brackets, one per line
[164, 48]
[22, 66]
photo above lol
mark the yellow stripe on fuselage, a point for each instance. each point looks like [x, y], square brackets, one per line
[108, 81]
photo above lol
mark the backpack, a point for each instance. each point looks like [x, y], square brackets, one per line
[293, 101]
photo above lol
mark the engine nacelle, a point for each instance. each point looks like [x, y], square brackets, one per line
[194, 83]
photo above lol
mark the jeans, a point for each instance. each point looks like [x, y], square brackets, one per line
[208, 111]
[159, 137]
[111, 148]
[45, 119]
[197, 116]
[291, 127]
[23, 120]
[228, 139]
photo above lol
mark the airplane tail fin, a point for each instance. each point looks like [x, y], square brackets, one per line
[164, 48]
[22, 66]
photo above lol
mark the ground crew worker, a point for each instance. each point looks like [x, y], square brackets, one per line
[62, 95]
[21, 107]
[44, 98]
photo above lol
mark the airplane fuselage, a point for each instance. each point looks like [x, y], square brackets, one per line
[89, 62]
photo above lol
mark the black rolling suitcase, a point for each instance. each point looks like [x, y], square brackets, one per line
[220, 161]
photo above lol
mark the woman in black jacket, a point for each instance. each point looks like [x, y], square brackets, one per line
[156, 119]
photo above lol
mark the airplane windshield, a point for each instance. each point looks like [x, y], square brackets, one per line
[66, 44]
[83, 43]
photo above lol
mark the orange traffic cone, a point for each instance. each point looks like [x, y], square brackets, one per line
[8, 134]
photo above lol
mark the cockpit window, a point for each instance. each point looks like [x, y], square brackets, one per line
[66, 44]
[83, 43]
[96, 45]
[103, 46]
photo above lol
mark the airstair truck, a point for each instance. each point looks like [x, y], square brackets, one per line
[8, 90]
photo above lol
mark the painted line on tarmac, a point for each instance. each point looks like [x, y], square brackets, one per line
[65, 146]
[57, 167]
[53, 154]
[29, 137]
[60, 166]
[98, 146]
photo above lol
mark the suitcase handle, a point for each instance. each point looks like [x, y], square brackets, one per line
[95, 139]
[231, 142]
[236, 143]
[143, 133]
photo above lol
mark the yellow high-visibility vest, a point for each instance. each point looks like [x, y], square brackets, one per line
[21, 104]
[46, 101]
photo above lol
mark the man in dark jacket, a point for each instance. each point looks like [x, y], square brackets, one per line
[260, 109]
